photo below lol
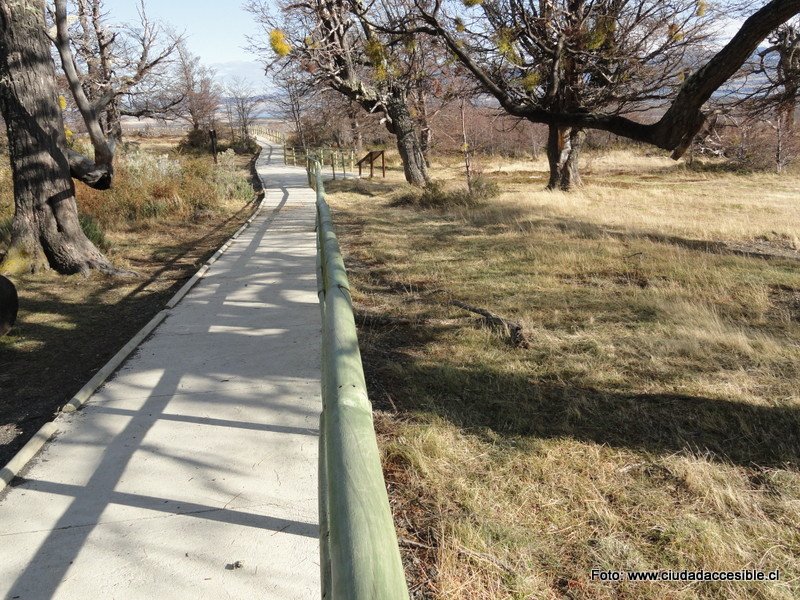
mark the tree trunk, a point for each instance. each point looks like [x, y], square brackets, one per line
[779, 154]
[45, 229]
[425, 131]
[555, 143]
[401, 125]
[356, 130]
[563, 153]
[465, 145]
[113, 122]
[570, 173]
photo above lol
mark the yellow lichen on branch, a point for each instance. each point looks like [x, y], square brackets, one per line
[279, 44]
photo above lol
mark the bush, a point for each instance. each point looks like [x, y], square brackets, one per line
[150, 167]
[156, 187]
[435, 195]
[195, 140]
[228, 181]
[93, 231]
[245, 145]
[483, 188]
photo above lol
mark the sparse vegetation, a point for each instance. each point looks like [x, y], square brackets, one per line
[653, 422]
[445, 195]
[156, 185]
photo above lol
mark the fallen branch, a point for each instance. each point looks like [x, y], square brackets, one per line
[412, 544]
[509, 328]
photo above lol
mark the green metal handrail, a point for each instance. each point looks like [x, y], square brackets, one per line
[360, 558]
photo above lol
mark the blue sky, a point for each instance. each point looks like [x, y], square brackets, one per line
[215, 31]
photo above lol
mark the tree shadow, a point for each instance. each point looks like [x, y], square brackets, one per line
[536, 218]
[476, 397]
[92, 331]
[590, 230]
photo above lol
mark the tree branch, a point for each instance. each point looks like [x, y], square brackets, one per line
[98, 173]
[684, 117]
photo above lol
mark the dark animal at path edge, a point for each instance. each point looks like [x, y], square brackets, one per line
[9, 305]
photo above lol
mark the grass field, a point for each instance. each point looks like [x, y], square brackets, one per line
[652, 423]
[166, 213]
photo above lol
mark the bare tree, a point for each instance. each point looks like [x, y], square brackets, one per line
[684, 115]
[201, 94]
[45, 229]
[243, 103]
[295, 92]
[576, 56]
[114, 72]
[770, 88]
[330, 119]
[337, 44]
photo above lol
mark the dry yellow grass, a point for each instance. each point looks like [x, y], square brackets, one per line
[654, 422]
[657, 195]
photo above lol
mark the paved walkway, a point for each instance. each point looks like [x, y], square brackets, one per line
[193, 472]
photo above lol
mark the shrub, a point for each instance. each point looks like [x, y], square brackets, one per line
[436, 195]
[228, 181]
[150, 167]
[245, 145]
[93, 231]
[150, 187]
[483, 188]
[195, 140]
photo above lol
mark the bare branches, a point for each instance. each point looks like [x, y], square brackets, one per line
[201, 95]
[105, 70]
[337, 45]
[244, 103]
[104, 152]
[584, 64]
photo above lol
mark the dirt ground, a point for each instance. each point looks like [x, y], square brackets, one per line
[68, 327]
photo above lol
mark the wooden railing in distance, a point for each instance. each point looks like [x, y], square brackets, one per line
[273, 135]
[370, 158]
[338, 159]
[360, 558]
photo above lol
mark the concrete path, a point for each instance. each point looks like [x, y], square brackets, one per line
[193, 472]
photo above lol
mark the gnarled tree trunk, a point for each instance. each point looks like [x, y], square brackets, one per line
[401, 124]
[45, 229]
[563, 151]
[111, 122]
